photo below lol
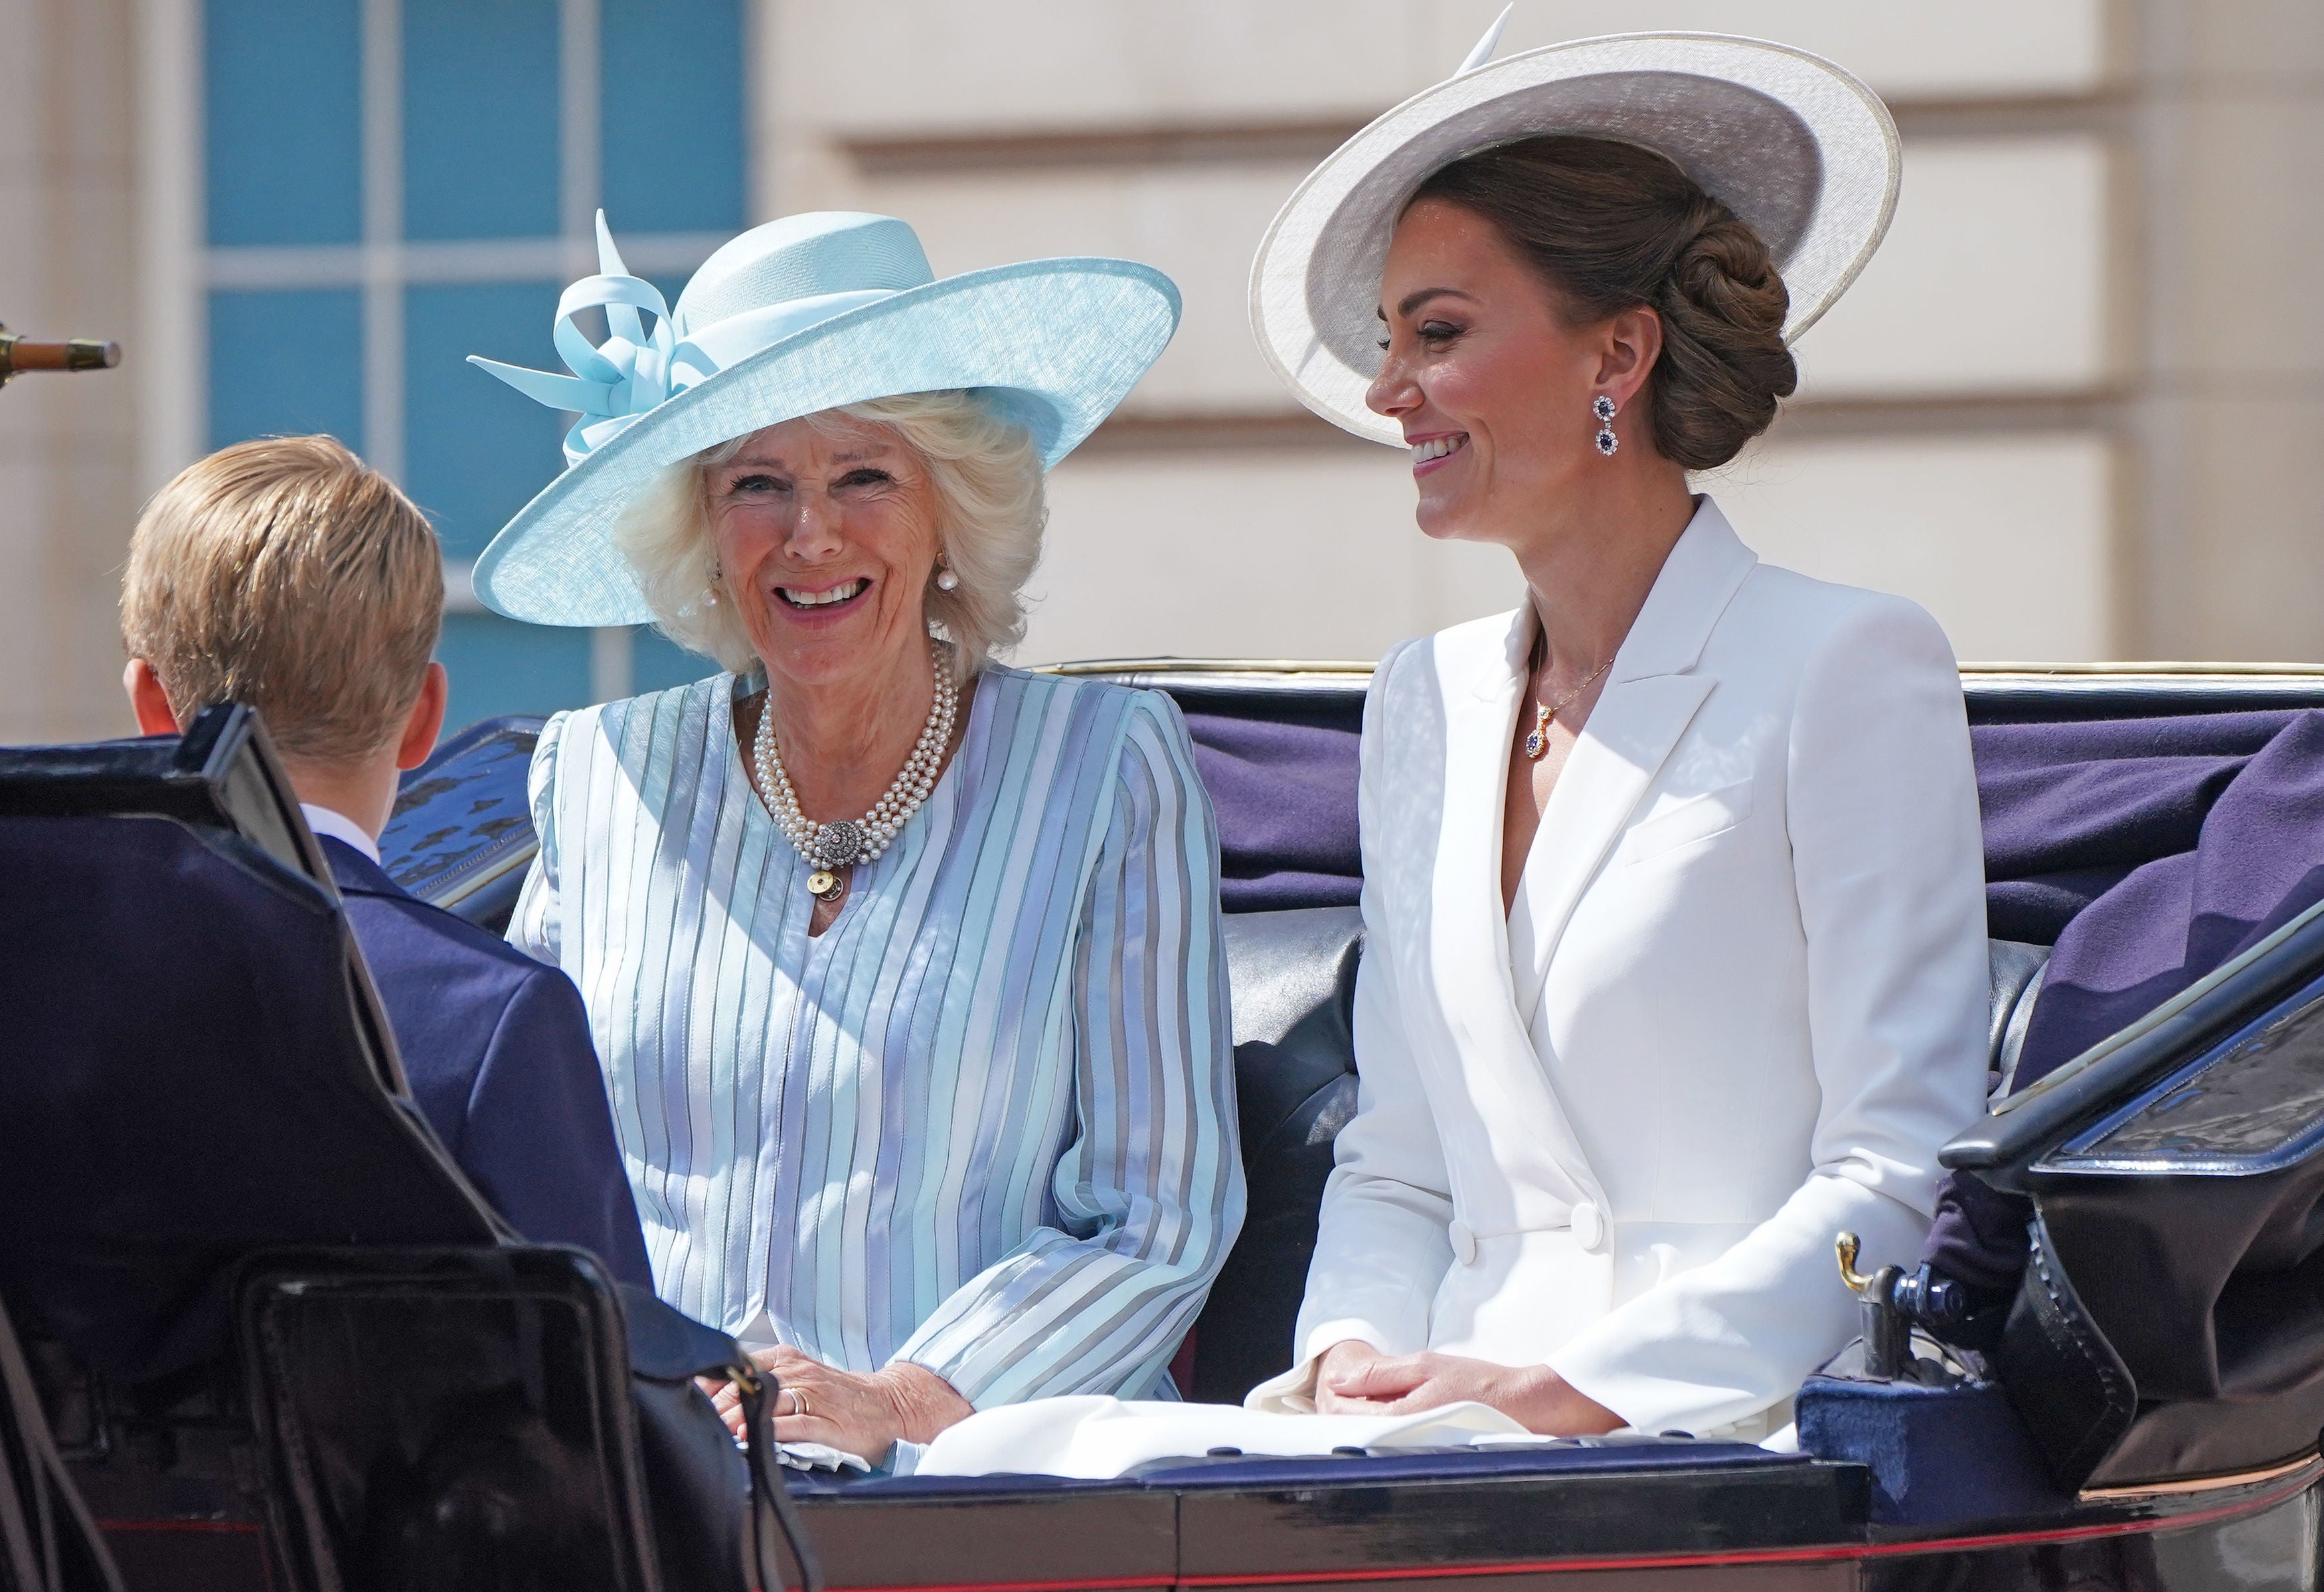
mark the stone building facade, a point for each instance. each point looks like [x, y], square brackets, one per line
[2070, 407]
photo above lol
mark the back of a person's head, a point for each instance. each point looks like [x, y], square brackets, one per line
[286, 574]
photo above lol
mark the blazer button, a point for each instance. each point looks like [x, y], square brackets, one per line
[1589, 1227]
[1465, 1243]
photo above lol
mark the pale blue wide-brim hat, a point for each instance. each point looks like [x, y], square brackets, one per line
[799, 316]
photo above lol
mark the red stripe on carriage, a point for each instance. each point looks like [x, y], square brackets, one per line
[1078, 1584]
[2291, 1487]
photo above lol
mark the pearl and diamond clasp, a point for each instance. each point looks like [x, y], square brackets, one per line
[845, 843]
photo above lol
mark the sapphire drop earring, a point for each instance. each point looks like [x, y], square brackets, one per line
[1604, 409]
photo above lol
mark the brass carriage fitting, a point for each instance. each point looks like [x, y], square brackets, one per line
[1887, 1330]
[20, 354]
[1847, 1246]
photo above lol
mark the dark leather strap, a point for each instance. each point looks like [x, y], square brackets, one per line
[668, 1346]
[770, 1499]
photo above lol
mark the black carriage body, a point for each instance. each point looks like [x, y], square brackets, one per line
[2190, 1147]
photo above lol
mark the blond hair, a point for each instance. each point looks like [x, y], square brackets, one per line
[986, 475]
[288, 575]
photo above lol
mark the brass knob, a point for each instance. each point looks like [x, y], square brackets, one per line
[1856, 1282]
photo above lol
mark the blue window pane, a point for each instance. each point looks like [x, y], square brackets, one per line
[285, 362]
[282, 84]
[474, 450]
[657, 663]
[500, 666]
[480, 133]
[672, 96]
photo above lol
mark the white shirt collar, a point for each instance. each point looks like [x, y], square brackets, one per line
[339, 826]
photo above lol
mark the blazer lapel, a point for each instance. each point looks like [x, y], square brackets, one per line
[1629, 736]
[1527, 1138]
[1471, 939]
[1651, 694]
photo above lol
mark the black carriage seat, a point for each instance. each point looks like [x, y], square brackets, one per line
[1293, 978]
[2015, 970]
[203, 1100]
[1293, 974]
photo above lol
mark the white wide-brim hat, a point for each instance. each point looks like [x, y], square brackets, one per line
[1796, 146]
[790, 318]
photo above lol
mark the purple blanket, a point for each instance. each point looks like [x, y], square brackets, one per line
[1285, 794]
[2149, 850]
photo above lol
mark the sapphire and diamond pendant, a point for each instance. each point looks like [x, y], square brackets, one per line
[1536, 743]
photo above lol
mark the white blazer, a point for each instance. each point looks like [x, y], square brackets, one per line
[1740, 1003]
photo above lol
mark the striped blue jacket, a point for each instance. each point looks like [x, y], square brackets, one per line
[985, 1121]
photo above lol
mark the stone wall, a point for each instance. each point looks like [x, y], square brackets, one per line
[2072, 406]
[68, 443]
[2066, 406]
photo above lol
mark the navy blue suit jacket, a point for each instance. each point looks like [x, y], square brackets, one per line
[497, 1050]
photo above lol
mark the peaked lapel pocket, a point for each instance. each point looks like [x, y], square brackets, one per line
[1696, 818]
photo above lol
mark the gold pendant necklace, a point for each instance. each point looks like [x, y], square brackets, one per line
[1536, 745]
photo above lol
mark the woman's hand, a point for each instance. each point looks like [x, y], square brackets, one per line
[856, 1414]
[1354, 1378]
[1336, 1365]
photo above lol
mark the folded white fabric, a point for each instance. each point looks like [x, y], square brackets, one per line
[820, 1457]
[1095, 1438]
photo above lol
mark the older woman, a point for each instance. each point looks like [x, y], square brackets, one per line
[904, 966]
[1676, 957]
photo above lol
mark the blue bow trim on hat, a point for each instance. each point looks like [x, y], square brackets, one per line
[614, 382]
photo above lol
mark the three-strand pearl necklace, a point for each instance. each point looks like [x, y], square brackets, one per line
[845, 841]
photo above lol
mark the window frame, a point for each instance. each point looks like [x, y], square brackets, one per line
[182, 268]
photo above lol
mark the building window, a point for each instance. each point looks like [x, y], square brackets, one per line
[392, 185]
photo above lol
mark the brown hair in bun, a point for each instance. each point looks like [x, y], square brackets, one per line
[1613, 226]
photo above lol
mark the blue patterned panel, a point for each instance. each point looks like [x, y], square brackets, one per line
[476, 452]
[671, 88]
[461, 822]
[480, 129]
[284, 121]
[284, 362]
[2251, 1105]
[502, 665]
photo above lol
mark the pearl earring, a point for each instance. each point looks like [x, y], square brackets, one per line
[710, 597]
[1604, 409]
[945, 579]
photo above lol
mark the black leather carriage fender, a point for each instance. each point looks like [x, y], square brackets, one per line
[2168, 1323]
[504, 1416]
